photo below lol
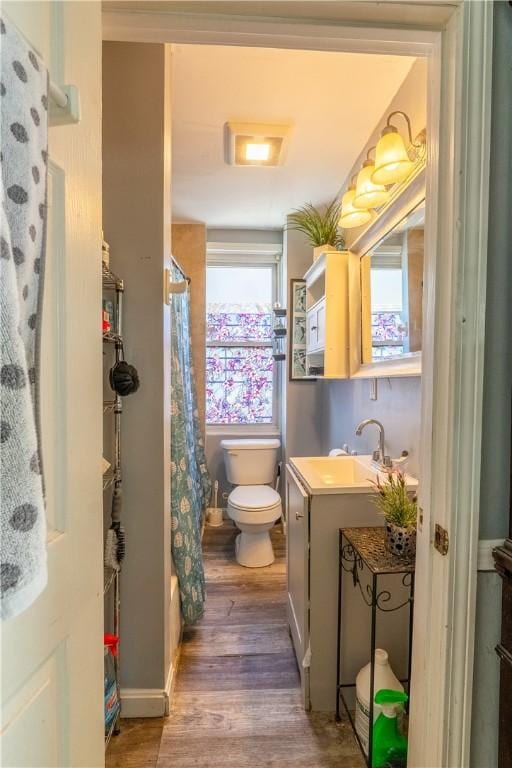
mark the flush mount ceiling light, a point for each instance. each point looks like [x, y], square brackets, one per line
[255, 143]
[351, 216]
[392, 161]
[368, 194]
[257, 152]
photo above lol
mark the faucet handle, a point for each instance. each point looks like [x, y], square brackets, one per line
[387, 462]
[376, 455]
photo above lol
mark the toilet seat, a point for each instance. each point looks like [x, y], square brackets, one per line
[254, 504]
[254, 497]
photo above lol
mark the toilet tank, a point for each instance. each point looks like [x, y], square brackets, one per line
[250, 462]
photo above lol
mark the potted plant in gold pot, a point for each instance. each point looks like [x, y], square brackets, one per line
[400, 509]
[319, 226]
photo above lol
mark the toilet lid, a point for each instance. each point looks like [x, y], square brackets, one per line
[254, 497]
[250, 445]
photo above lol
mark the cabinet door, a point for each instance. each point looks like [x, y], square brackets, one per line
[320, 325]
[297, 549]
[312, 330]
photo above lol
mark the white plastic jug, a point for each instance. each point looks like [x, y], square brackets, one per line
[384, 678]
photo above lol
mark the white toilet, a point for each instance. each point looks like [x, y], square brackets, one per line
[253, 505]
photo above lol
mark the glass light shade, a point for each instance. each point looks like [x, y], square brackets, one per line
[368, 194]
[392, 163]
[350, 216]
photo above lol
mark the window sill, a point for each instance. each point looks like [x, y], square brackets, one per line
[237, 430]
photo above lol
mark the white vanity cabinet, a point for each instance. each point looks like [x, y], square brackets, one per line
[313, 523]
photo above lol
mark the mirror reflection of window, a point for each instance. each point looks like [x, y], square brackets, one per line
[392, 291]
[388, 313]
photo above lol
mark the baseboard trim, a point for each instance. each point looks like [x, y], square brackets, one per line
[485, 560]
[154, 702]
[150, 702]
[171, 678]
[144, 702]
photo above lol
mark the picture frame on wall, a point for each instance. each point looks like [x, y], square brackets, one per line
[297, 331]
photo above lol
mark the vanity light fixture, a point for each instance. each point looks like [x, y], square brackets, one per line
[392, 161]
[351, 216]
[260, 144]
[368, 194]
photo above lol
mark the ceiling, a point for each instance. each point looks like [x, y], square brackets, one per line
[333, 100]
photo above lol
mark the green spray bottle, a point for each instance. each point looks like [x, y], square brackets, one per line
[389, 745]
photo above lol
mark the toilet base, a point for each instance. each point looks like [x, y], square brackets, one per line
[254, 550]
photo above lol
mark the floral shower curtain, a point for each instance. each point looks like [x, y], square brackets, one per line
[190, 482]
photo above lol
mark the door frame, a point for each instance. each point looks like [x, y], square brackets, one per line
[459, 92]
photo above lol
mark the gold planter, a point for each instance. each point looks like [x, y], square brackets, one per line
[317, 252]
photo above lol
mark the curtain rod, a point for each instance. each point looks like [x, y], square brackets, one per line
[178, 266]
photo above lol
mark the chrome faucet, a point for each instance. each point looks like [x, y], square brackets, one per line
[378, 456]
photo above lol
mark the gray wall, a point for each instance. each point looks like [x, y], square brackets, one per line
[495, 480]
[498, 354]
[398, 407]
[136, 208]
[486, 672]
[301, 400]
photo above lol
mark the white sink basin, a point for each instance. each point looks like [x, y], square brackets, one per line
[340, 474]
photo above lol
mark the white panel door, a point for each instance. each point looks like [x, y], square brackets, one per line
[52, 654]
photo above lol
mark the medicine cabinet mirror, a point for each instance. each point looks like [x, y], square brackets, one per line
[392, 292]
[386, 298]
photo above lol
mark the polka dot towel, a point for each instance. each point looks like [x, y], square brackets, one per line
[23, 176]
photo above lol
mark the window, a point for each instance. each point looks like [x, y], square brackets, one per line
[239, 363]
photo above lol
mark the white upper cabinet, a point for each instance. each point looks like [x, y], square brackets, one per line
[327, 307]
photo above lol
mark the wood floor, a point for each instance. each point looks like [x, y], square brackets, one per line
[237, 702]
